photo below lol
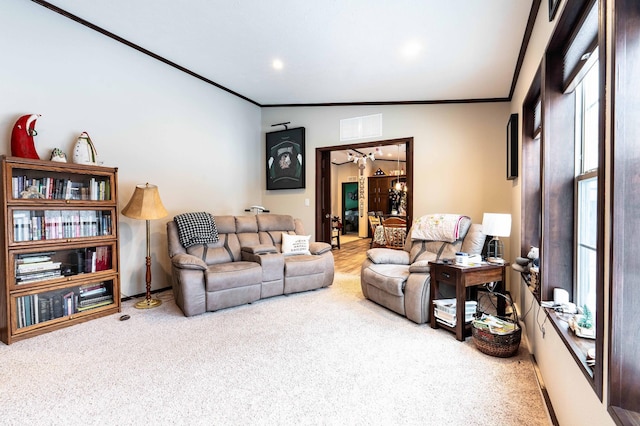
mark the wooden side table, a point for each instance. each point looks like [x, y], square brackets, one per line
[463, 277]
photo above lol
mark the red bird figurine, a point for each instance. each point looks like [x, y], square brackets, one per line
[22, 144]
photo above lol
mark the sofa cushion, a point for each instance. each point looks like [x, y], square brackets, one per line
[385, 255]
[246, 224]
[224, 276]
[474, 240]
[225, 224]
[227, 249]
[304, 265]
[293, 245]
[388, 278]
[319, 247]
[433, 250]
[275, 222]
[187, 261]
[260, 249]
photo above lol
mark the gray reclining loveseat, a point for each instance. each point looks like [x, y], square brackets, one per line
[245, 262]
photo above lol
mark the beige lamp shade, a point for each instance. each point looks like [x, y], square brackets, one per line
[145, 203]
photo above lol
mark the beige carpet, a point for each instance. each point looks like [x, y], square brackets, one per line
[325, 357]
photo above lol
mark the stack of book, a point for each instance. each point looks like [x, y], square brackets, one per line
[93, 296]
[36, 268]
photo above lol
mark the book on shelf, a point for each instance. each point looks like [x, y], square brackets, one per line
[93, 291]
[58, 224]
[90, 260]
[46, 265]
[45, 309]
[37, 276]
[103, 258]
[33, 258]
[105, 302]
[95, 300]
[68, 303]
[53, 188]
[22, 225]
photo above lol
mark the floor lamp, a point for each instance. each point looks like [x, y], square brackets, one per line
[145, 204]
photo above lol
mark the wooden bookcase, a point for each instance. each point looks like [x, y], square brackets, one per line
[60, 263]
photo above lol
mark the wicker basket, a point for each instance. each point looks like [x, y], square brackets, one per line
[500, 345]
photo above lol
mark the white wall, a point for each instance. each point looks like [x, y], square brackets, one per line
[156, 124]
[459, 154]
[572, 397]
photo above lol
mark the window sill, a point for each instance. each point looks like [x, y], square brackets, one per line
[577, 346]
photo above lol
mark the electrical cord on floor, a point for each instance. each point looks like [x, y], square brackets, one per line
[541, 326]
[529, 310]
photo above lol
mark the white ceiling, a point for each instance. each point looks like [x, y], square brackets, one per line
[333, 51]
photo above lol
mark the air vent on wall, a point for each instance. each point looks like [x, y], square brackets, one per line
[369, 126]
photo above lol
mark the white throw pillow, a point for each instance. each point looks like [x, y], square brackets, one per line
[295, 244]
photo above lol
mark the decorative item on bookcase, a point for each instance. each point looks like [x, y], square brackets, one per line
[22, 143]
[145, 204]
[84, 151]
[58, 156]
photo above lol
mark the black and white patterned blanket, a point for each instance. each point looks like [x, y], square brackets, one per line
[196, 228]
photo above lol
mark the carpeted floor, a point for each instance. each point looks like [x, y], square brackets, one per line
[325, 357]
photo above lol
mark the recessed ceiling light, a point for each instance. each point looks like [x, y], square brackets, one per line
[411, 49]
[277, 64]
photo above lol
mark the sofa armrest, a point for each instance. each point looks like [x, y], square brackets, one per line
[188, 261]
[318, 247]
[260, 249]
[388, 256]
[421, 266]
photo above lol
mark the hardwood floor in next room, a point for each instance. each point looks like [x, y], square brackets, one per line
[349, 257]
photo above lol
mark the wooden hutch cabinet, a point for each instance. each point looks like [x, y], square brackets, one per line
[59, 236]
[378, 192]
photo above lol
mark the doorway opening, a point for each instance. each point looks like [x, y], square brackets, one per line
[392, 155]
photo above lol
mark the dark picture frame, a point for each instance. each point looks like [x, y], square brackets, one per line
[553, 8]
[285, 159]
[512, 147]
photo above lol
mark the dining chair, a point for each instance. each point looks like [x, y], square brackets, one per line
[395, 232]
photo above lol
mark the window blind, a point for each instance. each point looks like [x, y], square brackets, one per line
[584, 41]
